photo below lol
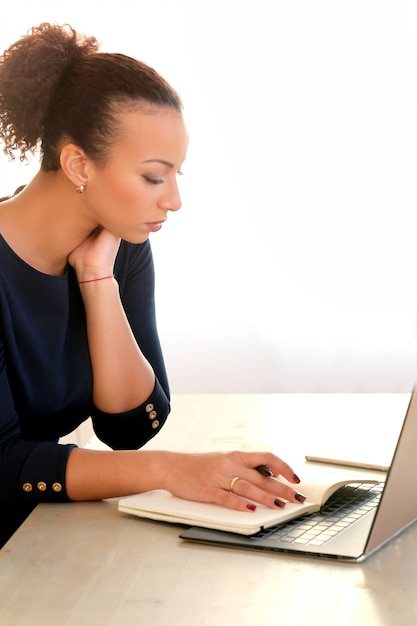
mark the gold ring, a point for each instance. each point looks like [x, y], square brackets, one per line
[233, 482]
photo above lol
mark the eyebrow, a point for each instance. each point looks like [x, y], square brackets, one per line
[161, 161]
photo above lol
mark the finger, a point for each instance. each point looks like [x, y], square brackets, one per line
[261, 478]
[271, 493]
[277, 466]
[232, 501]
[275, 487]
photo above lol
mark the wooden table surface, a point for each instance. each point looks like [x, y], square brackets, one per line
[87, 564]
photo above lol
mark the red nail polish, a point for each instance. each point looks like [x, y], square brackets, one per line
[300, 497]
[279, 503]
[296, 479]
[251, 507]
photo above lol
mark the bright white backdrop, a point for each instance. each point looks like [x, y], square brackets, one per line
[292, 265]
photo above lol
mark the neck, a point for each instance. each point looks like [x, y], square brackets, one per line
[45, 222]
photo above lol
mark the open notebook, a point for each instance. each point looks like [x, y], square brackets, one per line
[319, 483]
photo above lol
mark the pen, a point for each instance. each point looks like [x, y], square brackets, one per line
[264, 470]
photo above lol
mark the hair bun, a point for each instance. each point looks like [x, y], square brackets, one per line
[56, 87]
[30, 70]
[51, 46]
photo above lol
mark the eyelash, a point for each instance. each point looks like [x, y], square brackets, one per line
[159, 181]
[154, 181]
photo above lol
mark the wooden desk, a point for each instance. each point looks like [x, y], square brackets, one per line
[86, 564]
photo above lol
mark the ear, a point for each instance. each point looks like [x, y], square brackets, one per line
[74, 164]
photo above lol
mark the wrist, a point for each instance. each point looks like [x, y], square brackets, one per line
[158, 466]
[96, 279]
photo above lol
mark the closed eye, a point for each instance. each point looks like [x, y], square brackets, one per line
[154, 181]
[159, 181]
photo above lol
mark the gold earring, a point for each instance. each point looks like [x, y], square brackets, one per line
[80, 188]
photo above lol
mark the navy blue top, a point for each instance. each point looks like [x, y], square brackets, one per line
[46, 376]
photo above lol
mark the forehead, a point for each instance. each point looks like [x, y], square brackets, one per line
[159, 133]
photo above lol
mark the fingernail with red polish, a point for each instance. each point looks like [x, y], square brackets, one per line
[279, 503]
[300, 497]
[296, 479]
[251, 507]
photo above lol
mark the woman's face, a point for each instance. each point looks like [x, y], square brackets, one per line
[133, 192]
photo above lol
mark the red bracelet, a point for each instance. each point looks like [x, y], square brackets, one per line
[92, 280]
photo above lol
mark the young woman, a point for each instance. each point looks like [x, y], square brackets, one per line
[77, 322]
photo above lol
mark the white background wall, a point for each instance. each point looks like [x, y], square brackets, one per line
[292, 265]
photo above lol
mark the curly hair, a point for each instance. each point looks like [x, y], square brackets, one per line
[56, 86]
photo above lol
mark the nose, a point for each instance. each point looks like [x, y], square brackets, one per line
[171, 199]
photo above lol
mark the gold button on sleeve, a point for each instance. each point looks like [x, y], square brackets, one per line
[149, 408]
[152, 415]
[57, 487]
[155, 424]
[41, 485]
[27, 487]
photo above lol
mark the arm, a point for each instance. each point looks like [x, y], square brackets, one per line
[33, 471]
[122, 377]
[46, 381]
[206, 477]
[135, 276]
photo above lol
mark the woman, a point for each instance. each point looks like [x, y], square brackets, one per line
[77, 323]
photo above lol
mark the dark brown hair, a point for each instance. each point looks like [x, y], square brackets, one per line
[56, 87]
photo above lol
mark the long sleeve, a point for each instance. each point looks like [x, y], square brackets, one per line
[45, 372]
[137, 294]
[31, 471]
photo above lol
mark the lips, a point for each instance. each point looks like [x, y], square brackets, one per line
[154, 226]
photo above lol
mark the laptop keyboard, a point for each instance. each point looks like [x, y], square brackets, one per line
[344, 507]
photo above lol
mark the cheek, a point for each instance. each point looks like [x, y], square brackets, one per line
[120, 197]
[123, 189]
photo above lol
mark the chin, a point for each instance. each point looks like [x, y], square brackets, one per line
[137, 239]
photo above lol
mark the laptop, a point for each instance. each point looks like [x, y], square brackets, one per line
[355, 522]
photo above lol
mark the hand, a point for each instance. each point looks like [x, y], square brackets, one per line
[96, 255]
[208, 477]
